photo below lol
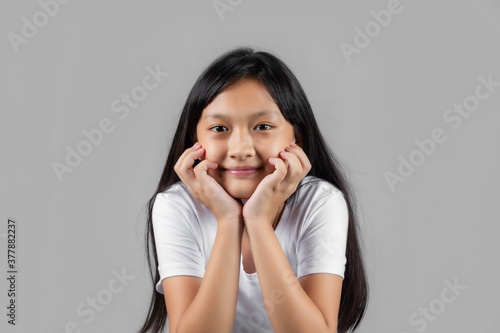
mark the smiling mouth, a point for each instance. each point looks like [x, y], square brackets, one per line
[242, 171]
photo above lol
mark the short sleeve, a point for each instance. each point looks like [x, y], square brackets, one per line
[322, 245]
[176, 244]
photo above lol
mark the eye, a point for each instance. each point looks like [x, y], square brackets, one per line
[263, 127]
[218, 129]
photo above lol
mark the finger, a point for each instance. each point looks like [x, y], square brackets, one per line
[202, 168]
[184, 166]
[280, 171]
[295, 169]
[195, 147]
[188, 157]
[206, 184]
[304, 160]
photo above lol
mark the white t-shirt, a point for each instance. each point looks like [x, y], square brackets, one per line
[312, 233]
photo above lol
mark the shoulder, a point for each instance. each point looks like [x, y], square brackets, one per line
[313, 189]
[176, 194]
[176, 209]
[318, 201]
[177, 198]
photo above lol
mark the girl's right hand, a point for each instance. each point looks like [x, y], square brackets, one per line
[204, 187]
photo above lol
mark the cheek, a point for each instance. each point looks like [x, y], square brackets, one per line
[273, 149]
[279, 142]
[213, 152]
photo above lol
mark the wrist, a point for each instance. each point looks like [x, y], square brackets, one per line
[260, 221]
[257, 224]
[230, 222]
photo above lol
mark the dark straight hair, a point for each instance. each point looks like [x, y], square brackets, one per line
[288, 94]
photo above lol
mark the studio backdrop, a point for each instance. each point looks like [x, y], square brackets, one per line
[407, 94]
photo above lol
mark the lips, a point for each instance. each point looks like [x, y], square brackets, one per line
[242, 170]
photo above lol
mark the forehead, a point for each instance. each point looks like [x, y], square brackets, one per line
[244, 98]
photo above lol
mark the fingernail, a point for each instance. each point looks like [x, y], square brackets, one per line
[196, 145]
[293, 144]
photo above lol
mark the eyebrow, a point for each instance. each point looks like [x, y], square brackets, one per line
[253, 115]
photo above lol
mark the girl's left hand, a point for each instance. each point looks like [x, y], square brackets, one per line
[275, 188]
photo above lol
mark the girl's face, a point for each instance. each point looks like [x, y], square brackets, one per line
[239, 130]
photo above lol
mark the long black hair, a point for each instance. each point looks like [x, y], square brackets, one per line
[288, 94]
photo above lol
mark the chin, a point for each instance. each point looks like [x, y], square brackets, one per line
[240, 193]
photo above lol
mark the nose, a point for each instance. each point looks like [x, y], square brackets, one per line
[241, 145]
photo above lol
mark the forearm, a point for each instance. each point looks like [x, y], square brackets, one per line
[214, 306]
[288, 306]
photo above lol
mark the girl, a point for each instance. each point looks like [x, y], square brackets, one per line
[252, 224]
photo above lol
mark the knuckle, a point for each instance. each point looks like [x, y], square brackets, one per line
[210, 190]
[200, 167]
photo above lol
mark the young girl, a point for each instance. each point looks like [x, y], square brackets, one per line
[252, 225]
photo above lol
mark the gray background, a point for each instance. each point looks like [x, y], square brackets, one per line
[440, 224]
